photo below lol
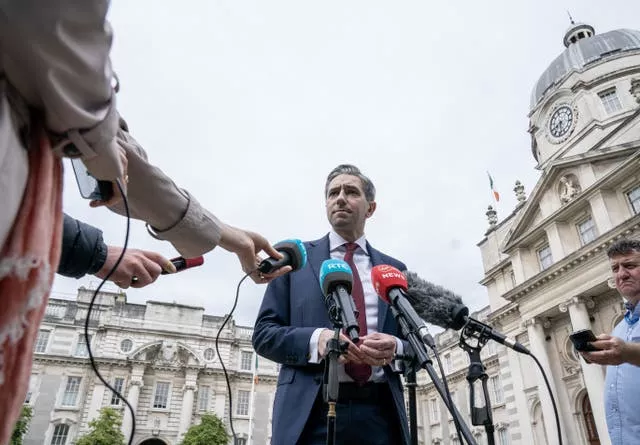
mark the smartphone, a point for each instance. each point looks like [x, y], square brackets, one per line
[581, 339]
[90, 187]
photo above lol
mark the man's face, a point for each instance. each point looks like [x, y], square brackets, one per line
[347, 207]
[626, 272]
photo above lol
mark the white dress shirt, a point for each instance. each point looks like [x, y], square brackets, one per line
[362, 262]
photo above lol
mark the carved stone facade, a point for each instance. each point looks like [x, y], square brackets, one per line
[160, 356]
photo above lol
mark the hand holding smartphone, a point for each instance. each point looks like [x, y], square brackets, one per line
[90, 187]
[581, 340]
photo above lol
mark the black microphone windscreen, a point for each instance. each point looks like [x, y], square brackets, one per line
[433, 303]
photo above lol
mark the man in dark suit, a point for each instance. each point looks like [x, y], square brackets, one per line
[293, 328]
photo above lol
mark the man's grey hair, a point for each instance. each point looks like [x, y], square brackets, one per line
[349, 169]
[624, 246]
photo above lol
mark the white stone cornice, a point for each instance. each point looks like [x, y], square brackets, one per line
[571, 262]
[504, 312]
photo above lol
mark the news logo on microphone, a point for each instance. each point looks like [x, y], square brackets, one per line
[335, 271]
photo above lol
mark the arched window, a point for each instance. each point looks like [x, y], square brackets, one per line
[60, 434]
[589, 423]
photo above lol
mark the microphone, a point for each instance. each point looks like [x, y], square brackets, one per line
[391, 286]
[182, 263]
[441, 307]
[336, 280]
[293, 253]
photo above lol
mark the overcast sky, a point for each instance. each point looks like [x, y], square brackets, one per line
[249, 104]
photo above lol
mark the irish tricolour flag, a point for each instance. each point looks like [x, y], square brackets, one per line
[496, 195]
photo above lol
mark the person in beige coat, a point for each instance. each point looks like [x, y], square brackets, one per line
[58, 99]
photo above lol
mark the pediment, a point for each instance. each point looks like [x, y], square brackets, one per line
[166, 353]
[560, 184]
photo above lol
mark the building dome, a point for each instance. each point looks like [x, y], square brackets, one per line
[584, 48]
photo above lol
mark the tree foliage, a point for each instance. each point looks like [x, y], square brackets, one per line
[210, 431]
[105, 429]
[22, 425]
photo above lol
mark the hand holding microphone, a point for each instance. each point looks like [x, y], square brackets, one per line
[247, 245]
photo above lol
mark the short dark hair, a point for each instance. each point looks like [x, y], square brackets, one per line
[349, 169]
[624, 246]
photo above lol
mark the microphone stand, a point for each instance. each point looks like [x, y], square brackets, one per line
[423, 360]
[411, 384]
[331, 385]
[479, 415]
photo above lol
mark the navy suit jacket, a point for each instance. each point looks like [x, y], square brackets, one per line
[292, 308]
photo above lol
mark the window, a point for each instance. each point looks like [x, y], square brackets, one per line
[240, 441]
[243, 403]
[41, 341]
[60, 434]
[447, 363]
[203, 398]
[32, 385]
[634, 199]
[434, 412]
[126, 345]
[245, 360]
[209, 354]
[81, 346]
[161, 396]
[610, 101]
[503, 436]
[587, 230]
[70, 396]
[496, 388]
[544, 257]
[118, 385]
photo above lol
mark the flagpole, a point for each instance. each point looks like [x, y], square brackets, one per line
[252, 399]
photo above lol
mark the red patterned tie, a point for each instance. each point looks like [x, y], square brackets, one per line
[360, 373]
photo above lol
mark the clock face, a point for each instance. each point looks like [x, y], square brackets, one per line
[561, 121]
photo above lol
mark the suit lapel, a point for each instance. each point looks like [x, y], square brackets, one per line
[376, 260]
[317, 253]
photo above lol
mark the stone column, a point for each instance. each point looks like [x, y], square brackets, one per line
[592, 374]
[186, 411]
[96, 399]
[133, 394]
[536, 334]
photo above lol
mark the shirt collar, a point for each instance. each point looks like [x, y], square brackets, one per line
[336, 241]
[632, 314]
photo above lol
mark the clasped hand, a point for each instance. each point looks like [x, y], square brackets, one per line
[375, 349]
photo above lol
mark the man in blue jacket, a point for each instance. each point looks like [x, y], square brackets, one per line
[85, 253]
[293, 328]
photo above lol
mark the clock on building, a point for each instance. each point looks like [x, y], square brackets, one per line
[561, 123]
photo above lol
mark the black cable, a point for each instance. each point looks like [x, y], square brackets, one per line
[553, 402]
[456, 421]
[93, 299]
[224, 369]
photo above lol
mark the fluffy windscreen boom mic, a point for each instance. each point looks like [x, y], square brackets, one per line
[441, 307]
[391, 286]
[336, 281]
[293, 253]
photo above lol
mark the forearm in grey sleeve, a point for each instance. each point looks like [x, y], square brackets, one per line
[172, 213]
[55, 53]
[83, 250]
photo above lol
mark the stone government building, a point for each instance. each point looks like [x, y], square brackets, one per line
[545, 264]
[161, 356]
